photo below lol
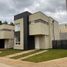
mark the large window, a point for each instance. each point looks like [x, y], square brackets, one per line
[17, 36]
[17, 27]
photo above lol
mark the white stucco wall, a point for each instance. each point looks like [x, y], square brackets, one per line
[9, 43]
[37, 42]
[21, 45]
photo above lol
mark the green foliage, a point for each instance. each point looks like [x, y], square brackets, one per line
[0, 22]
[12, 23]
[5, 52]
[5, 22]
[26, 54]
[49, 55]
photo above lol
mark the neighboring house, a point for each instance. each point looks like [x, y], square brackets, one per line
[6, 36]
[62, 43]
[35, 31]
[63, 31]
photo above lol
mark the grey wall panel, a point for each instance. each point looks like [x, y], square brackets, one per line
[63, 36]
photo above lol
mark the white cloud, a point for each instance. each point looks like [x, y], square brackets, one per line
[54, 8]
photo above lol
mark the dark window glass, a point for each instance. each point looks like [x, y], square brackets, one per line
[17, 36]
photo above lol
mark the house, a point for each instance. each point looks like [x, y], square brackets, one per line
[6, 36]
[62, 43]
[35, 31]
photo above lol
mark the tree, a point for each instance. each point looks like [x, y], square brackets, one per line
[12, 23]
[0, 22]
[5, 22]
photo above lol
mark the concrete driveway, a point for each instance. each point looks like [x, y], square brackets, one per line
[5, 62]
[4, 65]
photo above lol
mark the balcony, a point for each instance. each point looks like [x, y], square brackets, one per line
[39, 29]
[6, 31]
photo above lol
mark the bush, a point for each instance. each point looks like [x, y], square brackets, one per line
[12, 23]
[5, 22]
[0, 22]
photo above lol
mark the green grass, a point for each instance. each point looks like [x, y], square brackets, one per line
[26, 54]
[5, 52]
[49, 55]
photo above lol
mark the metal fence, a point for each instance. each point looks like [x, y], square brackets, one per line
[59, 44]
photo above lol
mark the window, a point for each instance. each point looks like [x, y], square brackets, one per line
[17, 27]
[40, 20]
[6, 30]
[17, 36]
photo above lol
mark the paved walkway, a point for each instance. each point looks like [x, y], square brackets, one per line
[16, 54]
[4, 65]
[32, 54]
[16, 63]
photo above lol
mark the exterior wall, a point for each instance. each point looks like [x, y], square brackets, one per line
[63, 28]
[37, 42]
[6, 26]
[63, 36]
[25, 28]
[6, 31]
[42, 42]
[38, 15]
[63, 31]
[21, 45]
[44, 32]
[9, 43]
[54, 29]
[38, 28]
[6, 35]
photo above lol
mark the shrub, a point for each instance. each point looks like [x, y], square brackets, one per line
[5, 22]
[12, 23]
[0, 22]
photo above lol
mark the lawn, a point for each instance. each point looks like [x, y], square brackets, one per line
[5, 52]
[26, 54]
[49, 55]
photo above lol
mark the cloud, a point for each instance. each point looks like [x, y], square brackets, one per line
[60, 16]
[54, 8]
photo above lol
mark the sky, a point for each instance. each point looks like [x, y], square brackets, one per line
[53, 8]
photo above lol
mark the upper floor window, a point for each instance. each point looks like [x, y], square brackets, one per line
[40, 20]
[17, 27]
[6, 30]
